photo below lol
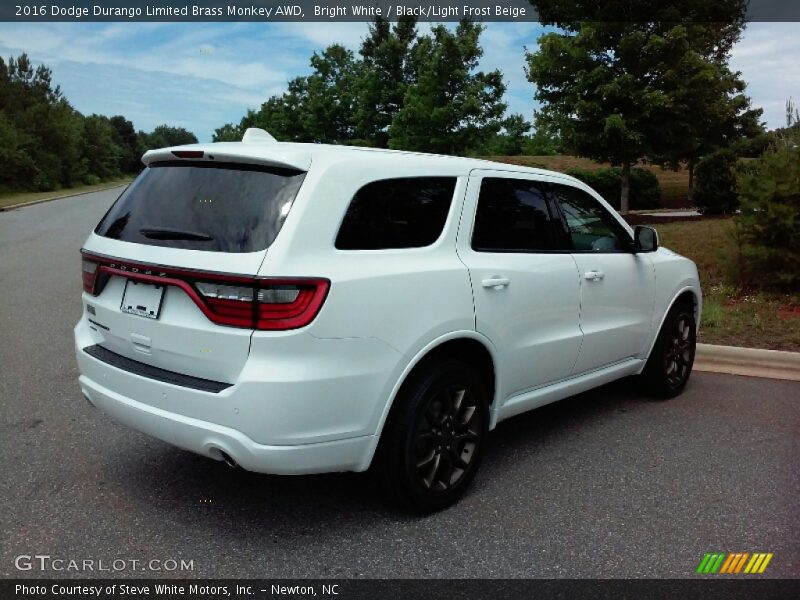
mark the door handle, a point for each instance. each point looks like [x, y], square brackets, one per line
[594, 275]
[496, 283]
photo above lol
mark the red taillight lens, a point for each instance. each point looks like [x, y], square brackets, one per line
[89, 274]
[273, 305]
[232, 300]
[230, 304]
[285, 305]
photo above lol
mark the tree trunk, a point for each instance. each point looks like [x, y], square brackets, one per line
[626, 187]
[690, 197]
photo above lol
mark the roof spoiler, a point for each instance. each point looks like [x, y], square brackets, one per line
[262, 149]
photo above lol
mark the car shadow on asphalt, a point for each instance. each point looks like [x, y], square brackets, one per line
[205, 493]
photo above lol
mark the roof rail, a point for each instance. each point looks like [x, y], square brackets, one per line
[256, 135]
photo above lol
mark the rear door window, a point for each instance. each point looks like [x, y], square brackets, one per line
[514, 215]
[219, 207]
[408, 212]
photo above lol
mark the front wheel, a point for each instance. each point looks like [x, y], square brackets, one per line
[671, 360]
[433, 443]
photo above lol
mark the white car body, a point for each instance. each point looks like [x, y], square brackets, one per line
[315, 398]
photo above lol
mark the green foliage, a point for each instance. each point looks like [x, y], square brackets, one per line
[386, 72]
[768, 228]
[625, 81]
[402, 91]
[46, 144]
[512, 141]
[128, 142]
[645, 191]
[715, 185]
[451, 108]
[165, 135]
[329, 104]
[102, 153]
[228, 133]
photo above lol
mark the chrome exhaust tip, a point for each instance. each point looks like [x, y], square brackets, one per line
[228, 460]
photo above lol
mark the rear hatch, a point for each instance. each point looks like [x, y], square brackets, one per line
[170, 271]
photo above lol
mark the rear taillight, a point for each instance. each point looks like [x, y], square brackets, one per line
[89, 274]
[267, 305]
[232, 300]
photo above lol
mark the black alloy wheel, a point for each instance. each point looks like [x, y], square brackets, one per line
[432, 444]
[670, 363]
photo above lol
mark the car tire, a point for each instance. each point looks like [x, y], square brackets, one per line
[433, 442]
[670, 363]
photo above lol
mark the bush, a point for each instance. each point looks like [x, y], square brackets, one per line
[645, 191]
[768, 228]
[715, 183]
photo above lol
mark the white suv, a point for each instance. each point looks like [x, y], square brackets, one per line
[296, 308]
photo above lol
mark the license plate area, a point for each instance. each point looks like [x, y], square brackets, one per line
[142, 299]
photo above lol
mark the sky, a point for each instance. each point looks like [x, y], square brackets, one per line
[203, 75]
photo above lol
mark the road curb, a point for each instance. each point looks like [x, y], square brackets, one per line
[752, 362]
[43, 200]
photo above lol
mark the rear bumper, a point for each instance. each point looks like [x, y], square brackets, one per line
[212, 440]
[300, 404]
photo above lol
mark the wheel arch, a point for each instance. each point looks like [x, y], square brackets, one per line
[469, 346]
[687, 293]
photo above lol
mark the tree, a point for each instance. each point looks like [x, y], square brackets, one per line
[330, 101]
[43, 130]
[451, 108]
[45, 143]
[716, 184]
[228, 133]
[707, 109]
[164, 136]
[768, 226]
[316, 108]
[102, 153]
[617, 81]
[283, 116]
[386, 71]
[513, 139]
[128, 143]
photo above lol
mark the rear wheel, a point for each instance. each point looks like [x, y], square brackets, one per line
[432, 445]
[670, 363]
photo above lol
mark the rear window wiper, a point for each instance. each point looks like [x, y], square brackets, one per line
[165, 233]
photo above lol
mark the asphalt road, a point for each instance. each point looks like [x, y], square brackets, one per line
[605, 484]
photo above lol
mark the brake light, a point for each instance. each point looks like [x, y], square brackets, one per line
[89, 274]
[232, 300]
[188, 153]
[267, 305]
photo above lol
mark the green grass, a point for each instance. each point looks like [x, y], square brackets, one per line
[26, 197]
[732, 316]
[674, 184]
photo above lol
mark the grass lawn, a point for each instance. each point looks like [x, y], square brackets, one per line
[731, 316]
[25, 197]
[674, 184]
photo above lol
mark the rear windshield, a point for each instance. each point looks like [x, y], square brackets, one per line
[220, 207]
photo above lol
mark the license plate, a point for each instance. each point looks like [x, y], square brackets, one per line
[142, 299]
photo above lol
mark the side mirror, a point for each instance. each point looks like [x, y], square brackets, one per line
[645, 239]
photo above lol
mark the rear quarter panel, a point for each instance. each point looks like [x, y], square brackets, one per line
[406, 298]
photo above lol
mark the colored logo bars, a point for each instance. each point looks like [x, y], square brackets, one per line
[733, 562]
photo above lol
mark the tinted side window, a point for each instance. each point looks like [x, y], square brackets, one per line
[397, 213]
[513, 216]
[591, 227]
